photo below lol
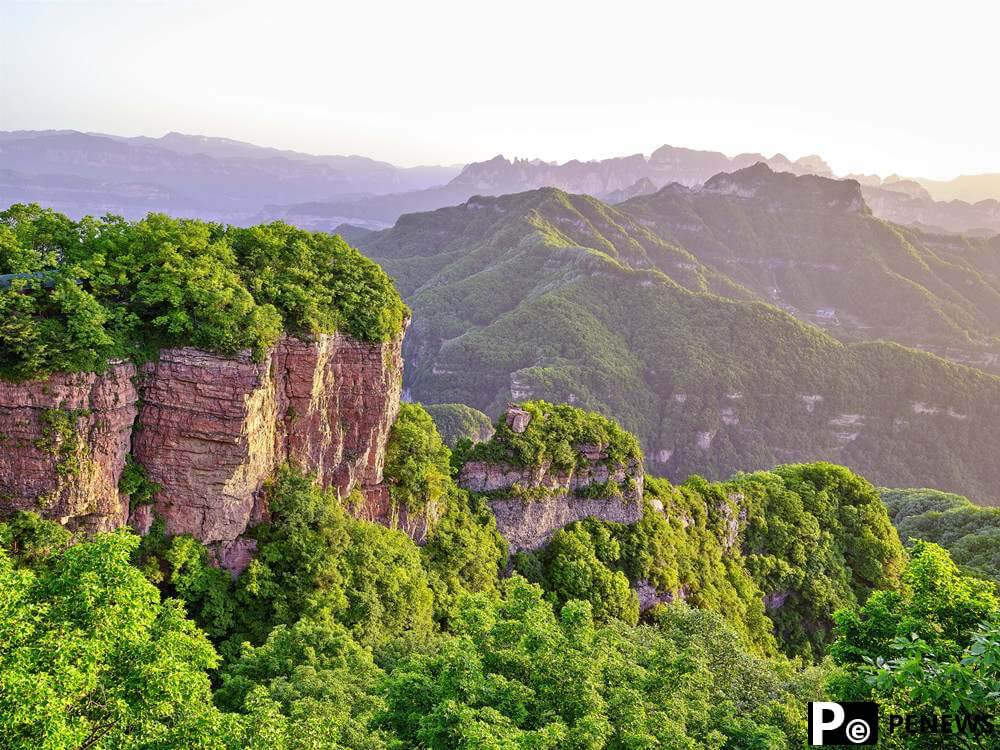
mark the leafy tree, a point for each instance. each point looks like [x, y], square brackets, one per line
[324, 684]
[819, 538]
[101, 288]
[417, 463]
[312, 556]
[553, 435]
[91, 658]
[575, 564]
[932, 647]
[518, 674]
[31, 541]
[463, 553]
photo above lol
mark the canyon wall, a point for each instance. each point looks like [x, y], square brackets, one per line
[208, 429]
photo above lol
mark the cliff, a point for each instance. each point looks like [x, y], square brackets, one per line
[531, 502]
[64, 442]
[208, 429]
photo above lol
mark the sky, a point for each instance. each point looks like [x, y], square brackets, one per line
[874, 87]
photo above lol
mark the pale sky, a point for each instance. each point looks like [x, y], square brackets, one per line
[875, 86]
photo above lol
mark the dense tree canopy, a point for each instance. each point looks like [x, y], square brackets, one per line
[932, 647]
[969, 532]
[101, 288]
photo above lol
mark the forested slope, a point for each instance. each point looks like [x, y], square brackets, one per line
[545, 295]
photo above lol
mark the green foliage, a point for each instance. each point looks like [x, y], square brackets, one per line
[458, 421]
[818, 537]
[136, 484]
[970, 533]
[578, 563]
[30, 540]
[813, 537]
[463, 553]
[933, 646]
[314, 557]
[60, 437]
[323, 682]
[206, 590]
[109, 288]
[518, 674]
[574, 301]
[417, 463]
[90, 657]
[554, 435]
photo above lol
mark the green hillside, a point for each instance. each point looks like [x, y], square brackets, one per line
[810, 244]
[969, 532]
[546, 295]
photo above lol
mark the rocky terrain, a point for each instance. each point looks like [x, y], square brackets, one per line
[532, 502]
[209, 430]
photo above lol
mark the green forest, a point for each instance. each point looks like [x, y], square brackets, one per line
[775, 588]
[80, 293]
[544, 295]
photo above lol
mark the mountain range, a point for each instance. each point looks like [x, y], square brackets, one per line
[227, 180]
[914, 202]
[661, 311]
[210, 178]
[609, 179]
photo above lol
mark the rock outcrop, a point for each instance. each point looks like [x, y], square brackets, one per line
[63, 443]
[209, 430]
[532, 503]
[214, 428]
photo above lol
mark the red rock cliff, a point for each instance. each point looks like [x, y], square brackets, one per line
[63, 443]
[213, 428]
[210, 430]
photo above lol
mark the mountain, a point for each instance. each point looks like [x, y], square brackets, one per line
[811, 246]
[548, 295]
[609, 179]
[213, 178]
[918, 209]
[971, 188]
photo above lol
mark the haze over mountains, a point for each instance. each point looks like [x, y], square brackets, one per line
[723, 308]
[209, 178]
[227, 180]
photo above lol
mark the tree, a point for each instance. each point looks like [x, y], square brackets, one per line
[91, 658]
[932, 647]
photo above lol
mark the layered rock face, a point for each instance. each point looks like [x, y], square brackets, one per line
[209, 431]
[532, 503]
[63, 443]
[213, 428]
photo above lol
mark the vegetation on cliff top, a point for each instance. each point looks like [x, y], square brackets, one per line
[806, 540]
[96, 289]
[970, 533]
[555, 435]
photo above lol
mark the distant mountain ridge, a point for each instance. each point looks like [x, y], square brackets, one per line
[223, 179]
[197, 176]
[608, 179]
[812, 246]
[618, 179]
